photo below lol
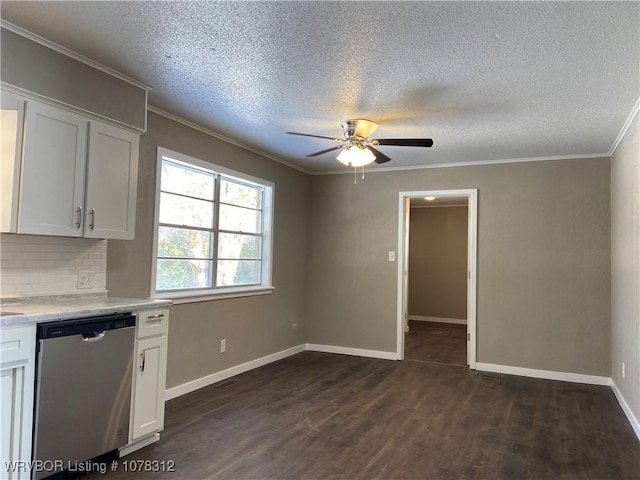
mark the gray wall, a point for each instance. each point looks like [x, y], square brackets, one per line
[625, 266]
[438, 262]
[543, 261]
[253, 326]
[39, 69]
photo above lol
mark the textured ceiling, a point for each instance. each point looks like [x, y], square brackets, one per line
[486, 80]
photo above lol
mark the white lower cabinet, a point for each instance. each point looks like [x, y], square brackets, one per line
[149, 385]
[17, 366]
[149, 379]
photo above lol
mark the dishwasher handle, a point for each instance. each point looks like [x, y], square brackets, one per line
[93, 337]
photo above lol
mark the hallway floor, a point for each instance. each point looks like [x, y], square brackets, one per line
[436, 342]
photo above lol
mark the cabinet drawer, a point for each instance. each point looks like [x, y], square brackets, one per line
[17, 343]
[152, 322]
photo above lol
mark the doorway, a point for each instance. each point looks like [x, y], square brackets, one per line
[469, 196]
[437, 302]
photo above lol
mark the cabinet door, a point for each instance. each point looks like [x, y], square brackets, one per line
[112, 175]
[17, 360]
[11, 123]
[11, 381]
[149, 386]
[53, 171]
[7, 418]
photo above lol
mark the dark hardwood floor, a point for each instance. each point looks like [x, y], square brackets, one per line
[324, 416]
[436, 342]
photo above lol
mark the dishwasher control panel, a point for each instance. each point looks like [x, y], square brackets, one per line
[79, 326]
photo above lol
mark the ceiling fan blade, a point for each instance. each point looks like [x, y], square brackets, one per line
[325, 151]
[380, 157]
[315, 136]
[404, 142]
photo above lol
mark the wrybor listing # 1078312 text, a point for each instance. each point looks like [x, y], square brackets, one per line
[49, 467]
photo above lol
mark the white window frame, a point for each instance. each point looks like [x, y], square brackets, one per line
[204, 294]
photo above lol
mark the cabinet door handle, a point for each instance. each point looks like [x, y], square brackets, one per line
[143, 361]
[79, 220]
[92, 223]
[157, 315]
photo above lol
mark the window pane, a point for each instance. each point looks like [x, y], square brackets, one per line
[185, 211]
[180, 274]
[238, 272]
[180, 242]
[240, 219]
[239, 194]
[187, 181]
[233, 245]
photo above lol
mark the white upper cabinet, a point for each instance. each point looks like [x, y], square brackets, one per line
[53, 172]
[78, 176]
[111, 182]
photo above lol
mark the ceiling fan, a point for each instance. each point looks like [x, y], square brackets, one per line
[357, 149]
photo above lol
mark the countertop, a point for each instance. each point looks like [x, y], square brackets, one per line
[17, 312]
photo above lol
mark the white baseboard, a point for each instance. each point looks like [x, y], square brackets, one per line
[358, 352]
[625, 408]
[421, 318]
[545, 374]
[199, 383]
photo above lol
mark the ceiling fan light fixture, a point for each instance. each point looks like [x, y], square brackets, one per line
[357, 149]
[356, 156]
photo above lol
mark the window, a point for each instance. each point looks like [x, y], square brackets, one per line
[212, 229]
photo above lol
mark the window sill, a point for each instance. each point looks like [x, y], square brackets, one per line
[205, 296]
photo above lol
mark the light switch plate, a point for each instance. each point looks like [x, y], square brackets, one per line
[392, 256]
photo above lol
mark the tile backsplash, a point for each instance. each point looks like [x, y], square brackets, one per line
[39, 265]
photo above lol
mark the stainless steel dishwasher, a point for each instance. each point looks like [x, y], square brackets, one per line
[83, 389]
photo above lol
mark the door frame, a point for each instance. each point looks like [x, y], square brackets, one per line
[472, 261]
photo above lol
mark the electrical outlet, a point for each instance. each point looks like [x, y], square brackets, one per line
[85, 279]
[624, 374]
[223, 345]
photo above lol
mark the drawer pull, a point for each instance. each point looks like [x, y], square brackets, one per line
[158, 315]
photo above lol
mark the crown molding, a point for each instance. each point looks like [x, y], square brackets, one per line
[468, 164]
[219, 136]
[70, 53]
[625, 127]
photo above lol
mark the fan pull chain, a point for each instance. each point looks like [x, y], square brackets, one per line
[355, 175]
